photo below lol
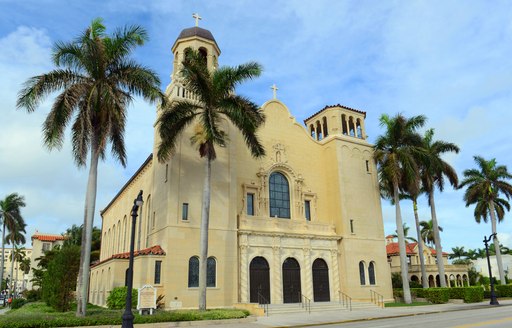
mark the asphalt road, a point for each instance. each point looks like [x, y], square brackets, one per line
[492, 317]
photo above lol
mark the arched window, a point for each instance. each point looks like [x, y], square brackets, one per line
[319, 135]
[193, 272]
[312, 129]
[324, 126]
[371, 273]
[359, 130]
[211, 272]
[344, 127]
[361, 273]
[279, 196]
[204, 54]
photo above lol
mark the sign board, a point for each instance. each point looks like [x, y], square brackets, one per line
[146, 298]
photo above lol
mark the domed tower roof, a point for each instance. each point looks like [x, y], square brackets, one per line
[195, 32]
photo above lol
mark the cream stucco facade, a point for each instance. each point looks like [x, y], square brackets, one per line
[318, 180]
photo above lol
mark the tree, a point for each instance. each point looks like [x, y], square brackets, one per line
[58, 286]
[97, 81]
[25, 267]
[485, 185]
[74, 237]
[396, 153]
[406, 232]
[215, 91]
[434, 172]
[15, 237]
[17, 255]
[457, 252]
[427, 232]
[10, 211]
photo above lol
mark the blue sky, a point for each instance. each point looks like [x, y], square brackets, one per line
[448, 60]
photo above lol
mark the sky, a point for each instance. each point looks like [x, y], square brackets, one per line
[448, 60]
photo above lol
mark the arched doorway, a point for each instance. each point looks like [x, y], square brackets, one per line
[321, 281]
[291, 281]
[259, 279]
[431, 282]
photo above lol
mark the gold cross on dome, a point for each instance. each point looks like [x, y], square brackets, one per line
[197, 18]
[274, 90]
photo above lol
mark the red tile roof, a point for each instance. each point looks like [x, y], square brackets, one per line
[155, 250]
[48, 237]
[392, 249]
[333, 106]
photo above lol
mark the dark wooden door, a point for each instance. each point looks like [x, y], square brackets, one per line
[259, 280]
[321, 281]
[291, 281]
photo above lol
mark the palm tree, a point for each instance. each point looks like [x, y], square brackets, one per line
[25, 267]
[97, 80]
[457, 252]
[396, 154]
[406, 232]
[15, 237]
[472, 254]
[10, 212]
[17, 255]
[216, 101]
[484, 187]
[427, 232]
[434, 171]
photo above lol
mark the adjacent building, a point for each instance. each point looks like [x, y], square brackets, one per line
[305, 220]
[456, 274]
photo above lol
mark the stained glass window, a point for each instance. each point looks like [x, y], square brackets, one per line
[279, 196]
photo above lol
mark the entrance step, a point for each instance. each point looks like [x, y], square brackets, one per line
[317, 307]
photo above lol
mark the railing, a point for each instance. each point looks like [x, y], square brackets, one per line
[264, 302]
[377, 298]
[345, 300]
[305, 302]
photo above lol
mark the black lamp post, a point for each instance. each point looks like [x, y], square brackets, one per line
[494, 300]
[128, 315]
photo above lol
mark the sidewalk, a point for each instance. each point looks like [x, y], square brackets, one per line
[327, 317]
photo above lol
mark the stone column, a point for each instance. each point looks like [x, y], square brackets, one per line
[334, 273]
[308, 274]
[276, 287]
[244, 287]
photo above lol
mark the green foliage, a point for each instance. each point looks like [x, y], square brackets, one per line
[473, 276]
[457, 292]
[396, 280]
[419, 292]
[17, 303]
[32, 295]
[473, 294]
[38, 315]
[462, 261]
[438, 295]
[117, 298]
[504, 290]
[60, 279]
[398, 293]
[415, 284]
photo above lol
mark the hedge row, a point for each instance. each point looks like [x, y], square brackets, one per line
[504, 290]
[442, 295]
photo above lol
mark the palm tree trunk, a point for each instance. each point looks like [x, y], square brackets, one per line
[16, 281]
[12, 265]
[497, 245]
[437, 240]
[424, 280]
[3, 256]
[205, 217]
[401, 244]
[85, 253]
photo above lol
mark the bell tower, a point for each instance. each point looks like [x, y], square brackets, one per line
[195, 38]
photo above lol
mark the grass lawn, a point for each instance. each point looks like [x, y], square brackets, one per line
[404, 304]
[38, 314]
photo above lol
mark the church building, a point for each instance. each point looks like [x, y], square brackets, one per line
[303, 221]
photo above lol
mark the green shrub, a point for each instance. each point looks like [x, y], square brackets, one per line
[473, 294]
[487, 293]
[438, 295]
[32, 295]
[457, 293]
[396, 280]
[117, 298]
[17, 303]
[504, 290]
[398, 293]
[415, 284]
[419, 292]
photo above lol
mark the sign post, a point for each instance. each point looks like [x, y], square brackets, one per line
[146, 299]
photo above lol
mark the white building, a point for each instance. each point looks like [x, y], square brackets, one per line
[480, 266]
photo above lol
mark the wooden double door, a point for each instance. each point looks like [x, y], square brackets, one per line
[259, 277]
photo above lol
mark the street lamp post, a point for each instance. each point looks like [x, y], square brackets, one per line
[494, 300]
[128, 315]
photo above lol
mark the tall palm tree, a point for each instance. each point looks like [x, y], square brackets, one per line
[406, 234]
[434, 172]
[396, 153]
[17, 255]
[97, 80]
[215, 91]
[427, 232]
[15, 237]
[457, 252]
[10, 212]
[485, 185]
[25, 267]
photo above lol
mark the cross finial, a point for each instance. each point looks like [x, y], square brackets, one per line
[197, 18]
[274, 90]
